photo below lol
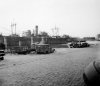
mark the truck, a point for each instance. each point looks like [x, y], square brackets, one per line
[2, 51]
[78, 44]
[44, 48]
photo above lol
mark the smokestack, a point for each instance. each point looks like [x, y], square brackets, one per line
[36, 29]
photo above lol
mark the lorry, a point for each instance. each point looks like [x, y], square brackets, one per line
[78, 44]
[44, 48]
[2, 51]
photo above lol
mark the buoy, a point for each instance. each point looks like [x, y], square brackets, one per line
[91, 74]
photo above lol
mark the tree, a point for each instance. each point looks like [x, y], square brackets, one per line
[26, 33]
[15, 35]
[44, 34]
[65, 36]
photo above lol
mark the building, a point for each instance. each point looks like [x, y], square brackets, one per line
[98, 37]
[36, 31]
[27, 33]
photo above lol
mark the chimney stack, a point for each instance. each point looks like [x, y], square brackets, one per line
[36, 30]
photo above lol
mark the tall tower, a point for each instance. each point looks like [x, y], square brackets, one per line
[36, 30]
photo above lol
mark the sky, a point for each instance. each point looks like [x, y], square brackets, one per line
[78, 18]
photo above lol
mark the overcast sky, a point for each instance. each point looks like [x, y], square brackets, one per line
[77, 18]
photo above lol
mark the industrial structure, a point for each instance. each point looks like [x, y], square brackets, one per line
[98, 37]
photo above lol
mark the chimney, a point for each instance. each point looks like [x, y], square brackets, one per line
[36, 29]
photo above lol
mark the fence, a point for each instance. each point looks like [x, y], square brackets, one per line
[25, 41]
